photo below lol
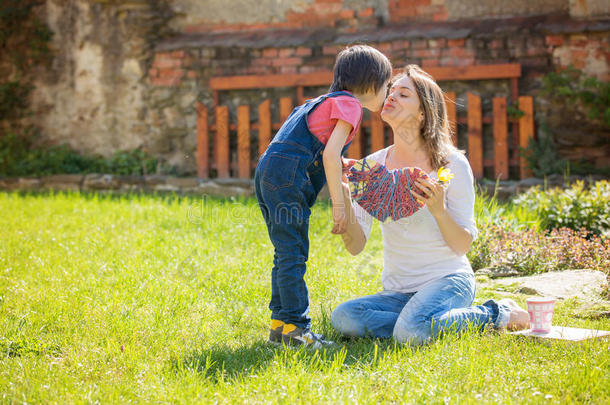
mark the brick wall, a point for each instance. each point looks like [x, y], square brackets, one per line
[184, 65]
[127, 74]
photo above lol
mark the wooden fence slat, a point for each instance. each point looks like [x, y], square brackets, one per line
[203, 142]
[452, 115]
[526, 130]
[473, 72]
[222, 141]
[500, 138]
[355, 149]
[377, 141]
[271, 81]
[264, 126]
[285, 108]
[301, 95]
[475, 135]
[243, 141]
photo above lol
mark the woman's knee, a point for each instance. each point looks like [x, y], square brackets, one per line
[346, 320]
[411, 333]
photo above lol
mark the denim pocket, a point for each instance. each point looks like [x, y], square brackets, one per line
[279, 171]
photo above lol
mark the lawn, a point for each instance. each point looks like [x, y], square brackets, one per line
[158, 299]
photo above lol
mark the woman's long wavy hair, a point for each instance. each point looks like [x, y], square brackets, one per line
[435, 130]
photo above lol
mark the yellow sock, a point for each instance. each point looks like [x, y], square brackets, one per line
[276, 323]
[288, 327]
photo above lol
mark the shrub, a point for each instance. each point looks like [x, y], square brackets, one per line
[21, 156]
[542, 156]
[574, 86]
[534, 252]
[575, 208]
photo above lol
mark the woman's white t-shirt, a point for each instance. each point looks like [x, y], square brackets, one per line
[414, 251]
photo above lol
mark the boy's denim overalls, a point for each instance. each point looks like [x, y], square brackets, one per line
[287, 180]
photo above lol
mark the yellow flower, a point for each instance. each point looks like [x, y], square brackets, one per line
[444, 175]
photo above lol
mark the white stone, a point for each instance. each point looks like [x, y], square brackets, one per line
[561, 284]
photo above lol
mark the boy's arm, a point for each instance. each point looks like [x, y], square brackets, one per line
[333, 168]
[353, 238]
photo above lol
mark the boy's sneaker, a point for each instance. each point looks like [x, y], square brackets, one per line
[295, 336]
[275, 332]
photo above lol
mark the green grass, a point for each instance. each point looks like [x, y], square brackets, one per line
[149, 299]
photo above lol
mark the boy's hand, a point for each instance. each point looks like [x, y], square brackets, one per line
[347, 163]
[339, 220]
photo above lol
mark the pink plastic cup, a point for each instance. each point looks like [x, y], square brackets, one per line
[541, 314]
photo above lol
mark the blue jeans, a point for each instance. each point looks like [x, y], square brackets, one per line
[287, 180]
[441, 306]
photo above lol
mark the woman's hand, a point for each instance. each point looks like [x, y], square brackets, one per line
[433, 198]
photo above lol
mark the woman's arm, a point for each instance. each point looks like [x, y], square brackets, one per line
[456, 236]
[353, 238]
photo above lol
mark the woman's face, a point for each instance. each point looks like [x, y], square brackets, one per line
[402, 108]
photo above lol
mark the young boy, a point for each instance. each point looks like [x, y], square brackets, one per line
[304, 155]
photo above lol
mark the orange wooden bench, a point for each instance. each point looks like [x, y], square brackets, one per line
[523, 128]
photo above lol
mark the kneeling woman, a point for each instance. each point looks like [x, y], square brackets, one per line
[428, 283]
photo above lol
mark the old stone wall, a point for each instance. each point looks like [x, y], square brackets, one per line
[126, 74]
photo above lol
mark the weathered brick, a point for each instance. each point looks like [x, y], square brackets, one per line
[458, 52]
[367, 12]
[262, 62]
[426, 53]
[347, 14]
[578, 40]
[165, 81]
[288, 69]
[579, 54]
[171, 73]
[554, 40]
[286, 52]
[166, 62]
[385, 48]
[437, 43]
[430, 63]
[303, 51]
[398, 45]
[419, 44]
[330, 49]
[496, 44]
[441, 16]
[178, 54]
[456, 42]
[287, 61]
[270, 52]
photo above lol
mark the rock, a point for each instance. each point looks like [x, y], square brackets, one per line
[528, 291]
[19, 184]
[183, 182]
[28, 183]
[130, 183]
[62, 182]
[153, 180]
[498, 271]
[100, 182]
[560, 284]
[212, 188]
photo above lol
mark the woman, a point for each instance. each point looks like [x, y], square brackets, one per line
[428, 283]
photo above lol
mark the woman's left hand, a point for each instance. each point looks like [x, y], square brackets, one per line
[434, 196]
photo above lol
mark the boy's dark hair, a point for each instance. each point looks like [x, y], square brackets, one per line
[361, 68]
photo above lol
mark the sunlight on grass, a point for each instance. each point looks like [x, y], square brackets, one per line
[149, 298]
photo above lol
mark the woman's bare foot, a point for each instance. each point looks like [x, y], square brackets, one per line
[519, 318]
